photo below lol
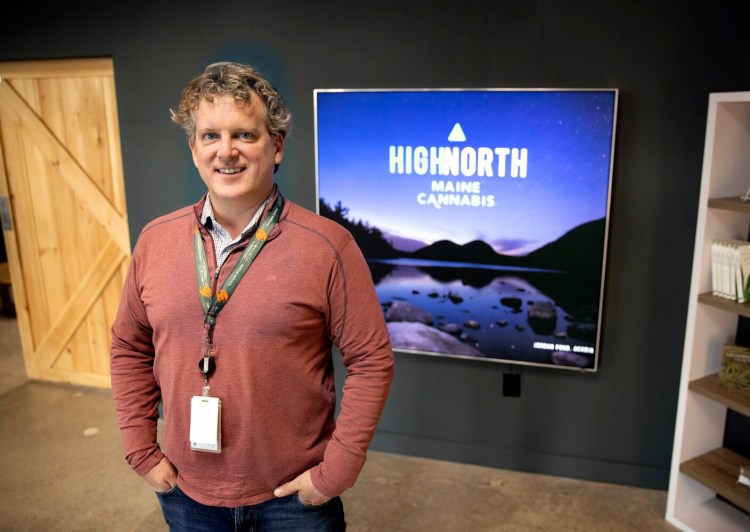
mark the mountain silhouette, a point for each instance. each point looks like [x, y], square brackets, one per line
[475, 252]
[579, 251]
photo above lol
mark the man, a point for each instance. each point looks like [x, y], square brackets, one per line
[228, 317]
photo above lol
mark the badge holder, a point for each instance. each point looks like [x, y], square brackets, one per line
[205, 414]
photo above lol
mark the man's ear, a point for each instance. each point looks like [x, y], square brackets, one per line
[278, 142]
[191, 145]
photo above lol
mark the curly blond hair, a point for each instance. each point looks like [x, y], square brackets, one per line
[240, 81]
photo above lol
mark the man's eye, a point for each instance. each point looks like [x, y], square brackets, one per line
[245, 136]
[210, 136]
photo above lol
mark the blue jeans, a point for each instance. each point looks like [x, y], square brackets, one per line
[285, 514]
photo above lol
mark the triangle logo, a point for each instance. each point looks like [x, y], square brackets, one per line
[457, 134]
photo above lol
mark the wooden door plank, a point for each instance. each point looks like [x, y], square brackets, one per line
[32, 281]
[16, 274]
[28, 89]
[58, 68]
[113, 140]
[44, 184]
[86, 131]
[100, 322]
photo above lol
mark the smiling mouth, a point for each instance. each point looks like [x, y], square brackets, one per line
[229, 171]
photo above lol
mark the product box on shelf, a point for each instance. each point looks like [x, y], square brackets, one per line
[735, 367]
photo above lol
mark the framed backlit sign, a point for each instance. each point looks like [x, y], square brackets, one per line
[483, 214]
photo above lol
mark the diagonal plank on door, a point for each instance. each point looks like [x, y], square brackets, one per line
[95, 280]
[79, 181]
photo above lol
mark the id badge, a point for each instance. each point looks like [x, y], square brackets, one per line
[205, 424]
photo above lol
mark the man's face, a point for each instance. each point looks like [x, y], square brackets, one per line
[234, 152]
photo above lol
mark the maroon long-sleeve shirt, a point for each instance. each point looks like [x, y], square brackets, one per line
[308, 289]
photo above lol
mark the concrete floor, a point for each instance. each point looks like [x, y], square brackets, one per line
[61, 468]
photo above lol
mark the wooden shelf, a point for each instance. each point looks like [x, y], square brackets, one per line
[732, 203]
[741, 309]
[737, 400]
[718, 470]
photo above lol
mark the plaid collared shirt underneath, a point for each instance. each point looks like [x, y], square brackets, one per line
[223, 242]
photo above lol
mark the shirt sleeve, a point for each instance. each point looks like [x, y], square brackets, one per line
[359, 331]
[135, 392]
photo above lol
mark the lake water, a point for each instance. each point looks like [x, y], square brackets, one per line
[456, 293]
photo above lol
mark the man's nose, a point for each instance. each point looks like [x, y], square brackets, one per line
[227, 149]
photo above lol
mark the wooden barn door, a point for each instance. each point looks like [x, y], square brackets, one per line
[63, 213]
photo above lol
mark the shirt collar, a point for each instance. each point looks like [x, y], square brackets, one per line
[208, 218]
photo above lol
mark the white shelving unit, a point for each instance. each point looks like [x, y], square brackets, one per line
[704, 474]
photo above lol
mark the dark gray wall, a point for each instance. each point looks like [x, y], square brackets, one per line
[616, 425]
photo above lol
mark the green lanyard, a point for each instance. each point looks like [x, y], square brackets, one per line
[213, 303]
